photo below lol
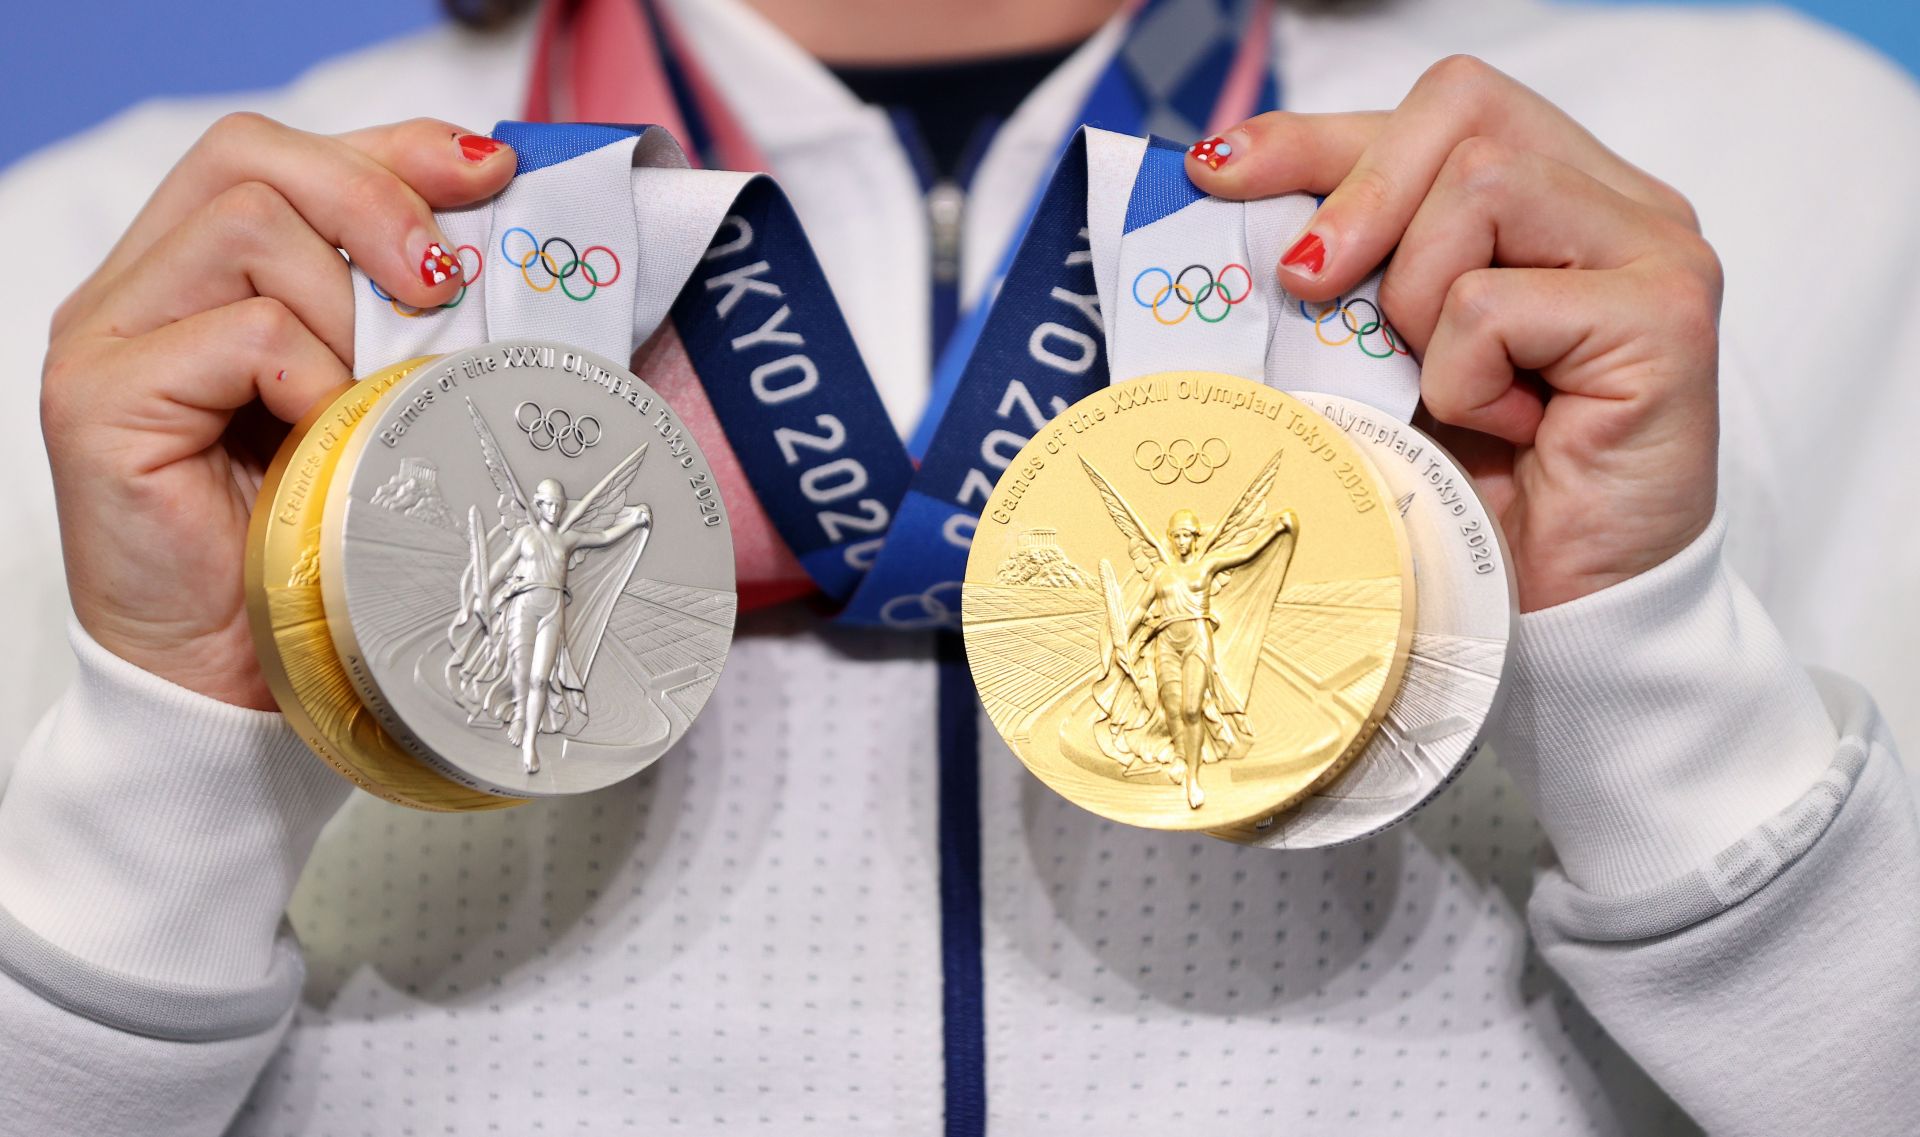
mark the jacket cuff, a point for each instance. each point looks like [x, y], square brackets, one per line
[157, 833]
[1653, 724]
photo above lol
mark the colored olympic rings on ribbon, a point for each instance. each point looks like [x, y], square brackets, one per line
[556, 429]
[1194, 291]
[575, 272]
[1360, 319]
[467, 277]
[1181, 458]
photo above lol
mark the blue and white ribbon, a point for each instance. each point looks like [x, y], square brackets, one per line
[603, 234]
[1125, 269]
[1114, 236]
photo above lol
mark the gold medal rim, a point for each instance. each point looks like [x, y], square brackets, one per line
[386, 770]
[345, 642]
[1369, 724]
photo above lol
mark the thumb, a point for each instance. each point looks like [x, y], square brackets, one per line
[1282, 152]
[443, 163]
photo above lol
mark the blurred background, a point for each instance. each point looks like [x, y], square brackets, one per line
[65, 66]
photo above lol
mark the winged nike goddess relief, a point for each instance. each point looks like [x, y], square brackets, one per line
[518, 660]
[1173, 694]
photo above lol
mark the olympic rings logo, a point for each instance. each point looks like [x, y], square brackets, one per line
[467, 277]
[556, 429]
[1181, 459]
[934, 610]
[1194, 291]
[557, 272]
[1363, 324]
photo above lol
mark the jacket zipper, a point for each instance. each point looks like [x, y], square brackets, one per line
[946, 215]
[963, 978]
[963, 996]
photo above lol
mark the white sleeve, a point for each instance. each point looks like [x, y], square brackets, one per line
[65, 1075]
[149, 840]
[1738, 853]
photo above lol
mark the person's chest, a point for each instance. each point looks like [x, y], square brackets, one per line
[767, 928]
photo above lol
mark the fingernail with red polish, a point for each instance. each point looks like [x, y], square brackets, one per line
[1308, 256]
[282, 377]
[477, 147]
[1212, 152]
[437, 265]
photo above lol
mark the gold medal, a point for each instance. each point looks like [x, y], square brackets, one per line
[1188, 602]
[289, 622]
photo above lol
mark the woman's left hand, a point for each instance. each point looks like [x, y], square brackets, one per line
[1562, 302]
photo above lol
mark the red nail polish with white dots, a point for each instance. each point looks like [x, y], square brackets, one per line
[1211, 152]
[437, 265]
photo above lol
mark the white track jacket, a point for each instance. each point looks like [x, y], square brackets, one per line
[1685, 893]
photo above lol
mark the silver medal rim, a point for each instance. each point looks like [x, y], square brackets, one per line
[339, 609]
[1285, 831]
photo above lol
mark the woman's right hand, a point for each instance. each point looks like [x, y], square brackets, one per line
[228, 293]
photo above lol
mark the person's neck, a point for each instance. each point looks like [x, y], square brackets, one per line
[871, 32]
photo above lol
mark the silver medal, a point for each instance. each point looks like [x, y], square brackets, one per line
[527, 569]
[1463, 620]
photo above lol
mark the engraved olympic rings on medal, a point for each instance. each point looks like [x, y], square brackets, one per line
[1181, 458]
[1361, 318]
[1195, 290]
[556, 272]
[556, 429]
[467, 277]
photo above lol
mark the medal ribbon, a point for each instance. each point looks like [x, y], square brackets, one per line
[1119, 212]
[1186, 284]
[1182, 67]
[1179, 57]
[759, 356]
[756, 347]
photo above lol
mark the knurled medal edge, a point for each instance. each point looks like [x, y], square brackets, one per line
[259, 620]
